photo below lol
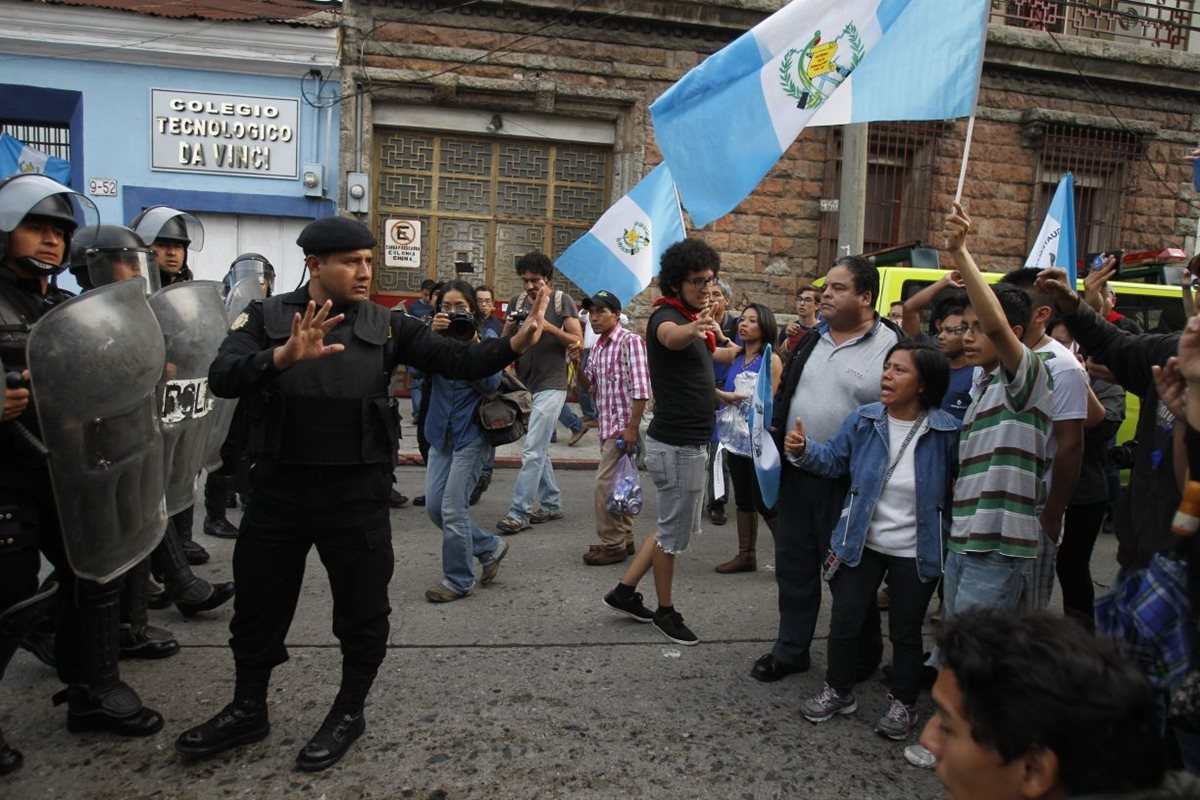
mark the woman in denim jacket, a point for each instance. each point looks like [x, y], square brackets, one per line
[901, 455]
[456, 452]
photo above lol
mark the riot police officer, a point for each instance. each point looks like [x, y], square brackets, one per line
[223, 483]
[313, 367]
[37, 220]
[171, 233]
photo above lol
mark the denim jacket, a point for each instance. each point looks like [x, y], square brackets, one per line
[860, 449]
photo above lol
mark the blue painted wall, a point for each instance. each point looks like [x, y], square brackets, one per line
[108, 108]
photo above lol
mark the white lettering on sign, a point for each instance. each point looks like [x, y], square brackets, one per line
[224, 134]
[185, 399]
[402, 243]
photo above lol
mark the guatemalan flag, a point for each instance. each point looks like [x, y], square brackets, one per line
[766, 455]
[18, 158]
[1055, 242]
[814, 62]
[622, 250]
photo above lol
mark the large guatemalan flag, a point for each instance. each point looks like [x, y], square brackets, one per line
[621, 252]
[1055, 242]
[814, 62]
[766, 456]
[18, 158]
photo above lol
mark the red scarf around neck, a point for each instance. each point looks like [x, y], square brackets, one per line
[710, 338]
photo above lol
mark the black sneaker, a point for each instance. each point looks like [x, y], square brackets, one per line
[630, 607]
[671, 626]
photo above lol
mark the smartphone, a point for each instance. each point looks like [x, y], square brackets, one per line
[1093, 261]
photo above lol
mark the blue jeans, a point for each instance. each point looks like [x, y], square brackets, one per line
[537, 473]
[983, 580]
[489, 461]
[569, 418]
[449, 479]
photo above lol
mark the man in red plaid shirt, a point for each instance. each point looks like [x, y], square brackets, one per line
[619, 380]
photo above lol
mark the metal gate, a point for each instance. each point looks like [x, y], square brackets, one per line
[486, 201]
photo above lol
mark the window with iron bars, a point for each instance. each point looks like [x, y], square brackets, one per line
[1103, 164]
[902, 160]
[53, 140]
[1149, 23]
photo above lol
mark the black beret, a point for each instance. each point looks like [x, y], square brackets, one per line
[334, 235]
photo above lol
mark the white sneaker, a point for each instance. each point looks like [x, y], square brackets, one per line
[918, 756]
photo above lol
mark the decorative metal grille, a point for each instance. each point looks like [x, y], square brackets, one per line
[487, 199]
[53, 140]
[1158, 23]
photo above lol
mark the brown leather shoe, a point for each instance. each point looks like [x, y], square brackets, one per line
[742, 562]
[603, 556]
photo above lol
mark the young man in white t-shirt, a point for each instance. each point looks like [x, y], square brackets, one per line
[1074, 407]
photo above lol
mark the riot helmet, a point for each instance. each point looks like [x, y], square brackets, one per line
[251, 265]
[33, 199]
[117, 253]
[163, 226]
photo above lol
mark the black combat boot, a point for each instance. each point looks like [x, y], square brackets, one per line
[182, 523]
[138, 638]
[243, 721]
[217, 491]
[343, 724]
[190, 593]
[96, 697]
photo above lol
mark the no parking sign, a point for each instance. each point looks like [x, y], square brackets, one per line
[402, 243]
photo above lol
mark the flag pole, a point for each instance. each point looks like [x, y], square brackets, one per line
[962, 171]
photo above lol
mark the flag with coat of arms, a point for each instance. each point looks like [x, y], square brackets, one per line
[766, 455]
[814, 62]
[1054, 245]
[18, 158]
[621, 252]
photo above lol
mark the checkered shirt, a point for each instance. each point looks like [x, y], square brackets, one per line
[618, 374]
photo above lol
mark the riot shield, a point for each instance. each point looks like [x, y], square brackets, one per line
[192, 318]
[243, 292]
[94, 362]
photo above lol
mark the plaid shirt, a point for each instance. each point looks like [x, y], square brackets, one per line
[617, 372]
[1146, 615]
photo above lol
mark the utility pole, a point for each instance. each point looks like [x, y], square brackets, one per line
[853, 200]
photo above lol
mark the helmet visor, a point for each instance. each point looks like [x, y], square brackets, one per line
[19, 196]
[253, 268]
[153, 221]
[113, 266]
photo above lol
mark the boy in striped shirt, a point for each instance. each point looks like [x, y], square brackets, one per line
[995, 531]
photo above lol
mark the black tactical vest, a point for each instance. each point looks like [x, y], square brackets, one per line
[336, 410]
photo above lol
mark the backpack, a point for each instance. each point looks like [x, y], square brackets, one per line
[504, 415]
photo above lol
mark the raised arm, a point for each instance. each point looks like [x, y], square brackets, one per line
[914, 305]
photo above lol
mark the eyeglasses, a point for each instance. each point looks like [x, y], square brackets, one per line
[700, 283]
[959, 331]
[461, 308]
[806, 299]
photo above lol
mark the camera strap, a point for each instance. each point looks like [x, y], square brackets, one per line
[912, 432]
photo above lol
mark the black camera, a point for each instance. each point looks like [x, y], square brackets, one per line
[517, 316]
[462, 326]
[1121, 456]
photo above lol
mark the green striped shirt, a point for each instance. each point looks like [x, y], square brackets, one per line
[1002, 462]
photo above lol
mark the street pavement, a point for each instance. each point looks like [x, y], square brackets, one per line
[529, 688]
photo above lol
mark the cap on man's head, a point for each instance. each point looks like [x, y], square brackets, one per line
[334, 235]
[603, 299]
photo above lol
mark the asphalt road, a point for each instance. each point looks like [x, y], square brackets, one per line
[530, 688]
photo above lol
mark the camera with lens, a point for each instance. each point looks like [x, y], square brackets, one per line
[517, 315]
[462, 326]
[1121, 456]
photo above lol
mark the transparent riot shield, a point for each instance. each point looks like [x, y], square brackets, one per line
[94, 362]
[192, 318]
[243, 292]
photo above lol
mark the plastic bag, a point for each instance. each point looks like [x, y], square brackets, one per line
[733, 422]
[625, 494]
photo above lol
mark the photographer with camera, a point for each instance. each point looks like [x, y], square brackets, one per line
[456, 452]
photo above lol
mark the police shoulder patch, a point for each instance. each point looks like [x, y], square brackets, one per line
[240, 322]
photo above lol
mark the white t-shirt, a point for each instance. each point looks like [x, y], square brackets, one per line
[1069, 400]
[893, 528]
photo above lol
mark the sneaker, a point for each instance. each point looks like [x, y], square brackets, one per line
[827, 704]
[492, 568]
[510, 525]
[631, 607]
[577, 435]
[918, 756]
[898, 721]
[716, 513]
[440, 594]
[542, 515]
[671, 626]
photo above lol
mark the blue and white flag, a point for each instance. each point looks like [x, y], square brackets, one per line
[621, 252]
[18, 158]
[1055, 242]
[766, 455]
[814, 62]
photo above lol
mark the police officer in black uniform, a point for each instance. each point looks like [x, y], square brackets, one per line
[312, 366]
[34, 239]
[170, 234]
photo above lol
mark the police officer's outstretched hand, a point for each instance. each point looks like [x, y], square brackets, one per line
[307, 341]
[531, 330]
